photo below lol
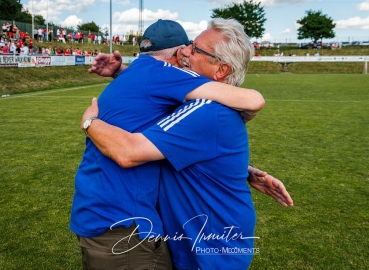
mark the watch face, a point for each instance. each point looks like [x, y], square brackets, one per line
[87, 123]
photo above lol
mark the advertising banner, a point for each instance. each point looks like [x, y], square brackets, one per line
[80, 60]
[62, 60]
[42, 61]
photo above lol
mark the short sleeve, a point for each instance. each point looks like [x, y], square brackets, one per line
[187, 136]
[171, 83]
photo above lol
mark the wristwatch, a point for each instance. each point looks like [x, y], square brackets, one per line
[87, 124]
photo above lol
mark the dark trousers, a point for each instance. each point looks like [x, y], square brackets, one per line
[110, 252]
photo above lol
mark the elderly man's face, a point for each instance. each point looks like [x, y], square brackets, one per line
[195, 56]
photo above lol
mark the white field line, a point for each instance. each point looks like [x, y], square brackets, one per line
[323, 101]
[51, 92]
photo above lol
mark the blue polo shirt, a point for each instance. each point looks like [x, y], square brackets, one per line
[205, 202]
[106, 194]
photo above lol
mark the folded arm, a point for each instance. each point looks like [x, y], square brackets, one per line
[132, 149]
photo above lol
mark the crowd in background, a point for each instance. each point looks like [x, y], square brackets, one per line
[13, 41]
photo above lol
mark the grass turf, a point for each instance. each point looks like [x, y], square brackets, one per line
[312, 134]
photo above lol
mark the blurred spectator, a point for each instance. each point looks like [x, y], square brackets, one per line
[39, 34]
[22, 36]
[24, 50]
[64, 32]
[69, 37]
[16, 31]
[51, 35]
[5, 49]
[30, 45]
[12, 47]
[99, 38]
[39, 51]
[17, 49]
[44, 34]
[61, 37]
[76, 37]
[57, 51]
[67, 52]
[89, 38]
[4, 29]
[73, 36]
[117, 40]
[9, 29]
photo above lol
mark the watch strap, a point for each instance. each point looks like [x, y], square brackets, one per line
[90, 121]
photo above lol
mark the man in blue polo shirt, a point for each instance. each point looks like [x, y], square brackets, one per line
[111, 203]
[204, 201]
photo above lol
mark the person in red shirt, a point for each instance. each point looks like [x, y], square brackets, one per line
[6, 49]
[77, 37]
[20, 43]
[16, 31]
[67, 52]
[30, 45]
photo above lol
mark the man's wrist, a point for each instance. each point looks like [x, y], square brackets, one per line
[87, 124]
[117, 72]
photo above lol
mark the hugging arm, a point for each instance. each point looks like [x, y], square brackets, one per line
[248, 101]
[133, 149]
[125, 148]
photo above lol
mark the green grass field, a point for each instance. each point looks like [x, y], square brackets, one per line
[313, 134]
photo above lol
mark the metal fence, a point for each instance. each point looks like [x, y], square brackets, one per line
[27, 27]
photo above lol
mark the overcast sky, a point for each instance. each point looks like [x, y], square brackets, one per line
[351, 16]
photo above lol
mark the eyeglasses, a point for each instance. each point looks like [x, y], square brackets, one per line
[197, 49]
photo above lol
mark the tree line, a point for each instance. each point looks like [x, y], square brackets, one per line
[12, 10]
[315, 25]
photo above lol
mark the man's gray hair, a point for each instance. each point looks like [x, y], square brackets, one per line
[166, 54]
[235, 49]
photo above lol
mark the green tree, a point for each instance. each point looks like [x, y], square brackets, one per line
[91, 26]
[38, 19]
[12, 10]
[249, 13]
[9, 9]
[315, 25]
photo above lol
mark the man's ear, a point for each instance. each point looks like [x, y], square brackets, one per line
[223, 71]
